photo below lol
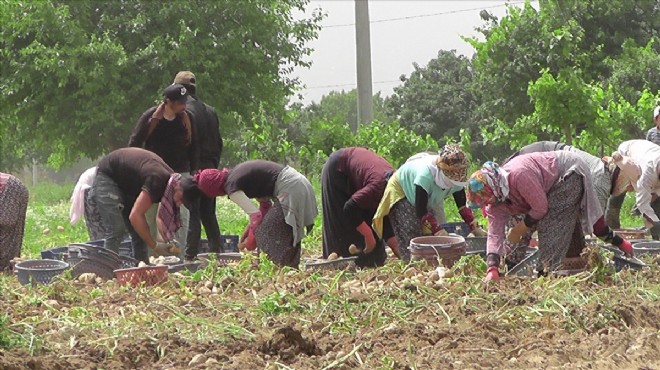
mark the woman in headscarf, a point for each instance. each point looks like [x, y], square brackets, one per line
[555, 192]
[639, 161]
[276, 229]
[415, 188]
[80, 205]
[14, 199]
[605, 178]
[352, 184]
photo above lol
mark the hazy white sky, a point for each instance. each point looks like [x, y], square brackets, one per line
[395, 44]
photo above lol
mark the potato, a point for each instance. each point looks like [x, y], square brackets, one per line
[46, 231]
[353, 249]
[142, 264]
[333, 256]
[60, 228]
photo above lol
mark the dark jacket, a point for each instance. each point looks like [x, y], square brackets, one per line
[205, 120]
[176, 144]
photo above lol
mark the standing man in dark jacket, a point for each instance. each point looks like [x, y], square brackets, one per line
[205, 122]
[167, 130]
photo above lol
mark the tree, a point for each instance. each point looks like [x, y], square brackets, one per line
[436, 99]
[76, 74]
[584, 35]
[568, 71]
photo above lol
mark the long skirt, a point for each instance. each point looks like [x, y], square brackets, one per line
[406, 226]
[93, 221]
[560, 231]
[14, 200]
[339, 232]
[275, 238]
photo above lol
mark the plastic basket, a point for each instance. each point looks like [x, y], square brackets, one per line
[324, 264]
[125, 247]
[90, 259]
[431, 248]
[229, 244]
[39, 271]
[190, 267]
[221, 258]
[54, 254]
[646, 248]
[460, 228]
[149, 275]
[128, 262]
[631, 233]
[476, 244]
[621, 263]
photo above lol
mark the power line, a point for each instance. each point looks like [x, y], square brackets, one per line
[425, 15]
[347, 85]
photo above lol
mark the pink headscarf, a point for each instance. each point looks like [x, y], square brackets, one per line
[212, 182]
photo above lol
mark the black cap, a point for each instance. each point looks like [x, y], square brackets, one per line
[176, 93]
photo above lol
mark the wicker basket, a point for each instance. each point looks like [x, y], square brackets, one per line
[149, 275]
[39, 271]
[324, 264]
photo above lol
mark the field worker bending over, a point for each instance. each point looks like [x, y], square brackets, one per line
[639, 160]
[414, 190]
[128, 182]
[13, 208]
[605, 177]
[276, 229]
[555, 192]
[353, 181]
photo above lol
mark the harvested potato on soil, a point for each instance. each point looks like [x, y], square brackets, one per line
[353, 249]
[333, 256]
[87, 278]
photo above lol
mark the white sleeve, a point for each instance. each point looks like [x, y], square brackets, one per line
[645, 187]
[244, 202]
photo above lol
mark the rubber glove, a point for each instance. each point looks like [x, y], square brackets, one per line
[493, 263]
[368, 234]
[430, 225]
[626, 247]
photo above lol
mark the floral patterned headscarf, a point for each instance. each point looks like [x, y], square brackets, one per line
[453, 162]
[487, 186]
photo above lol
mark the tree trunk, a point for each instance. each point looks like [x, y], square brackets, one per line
[569, 135]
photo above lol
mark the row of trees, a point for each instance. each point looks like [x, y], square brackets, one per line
[77, 74]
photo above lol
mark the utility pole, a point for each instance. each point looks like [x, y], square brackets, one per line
[363, 57]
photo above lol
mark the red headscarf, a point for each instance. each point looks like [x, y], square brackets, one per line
[212, 182]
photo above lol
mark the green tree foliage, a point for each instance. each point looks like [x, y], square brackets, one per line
[572, 71]
[437, 98]
[77, 74]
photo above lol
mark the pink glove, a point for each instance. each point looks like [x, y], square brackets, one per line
[429, 224]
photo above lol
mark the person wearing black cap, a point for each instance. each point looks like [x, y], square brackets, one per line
[206, 123]
[166, 130]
